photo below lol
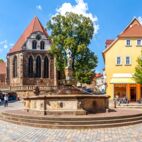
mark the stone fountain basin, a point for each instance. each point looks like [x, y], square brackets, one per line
[66, 104]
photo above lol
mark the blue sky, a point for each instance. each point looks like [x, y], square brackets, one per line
[112, 17]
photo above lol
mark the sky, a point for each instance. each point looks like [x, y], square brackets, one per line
[110, 17]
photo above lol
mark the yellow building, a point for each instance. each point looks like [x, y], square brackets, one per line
[120, 58]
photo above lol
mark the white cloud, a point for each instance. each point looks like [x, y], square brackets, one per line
[4, 44]
[11, 44]
[140, 19]
[80, 8]
[39, 7]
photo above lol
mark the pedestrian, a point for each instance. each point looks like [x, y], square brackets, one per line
[0, 101]
[5, 100]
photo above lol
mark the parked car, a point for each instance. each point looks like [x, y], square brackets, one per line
[88, 90]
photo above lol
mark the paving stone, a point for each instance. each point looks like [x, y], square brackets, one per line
[17, 133]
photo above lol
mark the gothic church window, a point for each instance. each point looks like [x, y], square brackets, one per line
[15, 67]
[38, 67]
[46, 68]
[42, 44]
[34, 44]
[30, 66]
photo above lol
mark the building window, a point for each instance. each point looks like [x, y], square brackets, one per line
[42, 44]
[118, 61]
[34, 44]
[128, 61]
[15, 67]
[38, 67]
[128, 42]
[46, 67]
[30, 67]
[139, 43]
[38, 37]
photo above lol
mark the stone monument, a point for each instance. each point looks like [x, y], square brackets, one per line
[69, 100]
[68, 68]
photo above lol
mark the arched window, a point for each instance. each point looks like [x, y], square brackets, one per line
[34, 44]
[15, 67]
[46, 67]
[30, 67]
[42, 44]
[38, 67]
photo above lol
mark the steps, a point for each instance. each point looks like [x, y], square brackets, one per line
[130, 105]
[71, 122]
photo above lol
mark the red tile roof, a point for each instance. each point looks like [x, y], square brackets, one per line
[34, 26]
[134, 29]
[108, 42]
[98, 75]
[2, 68]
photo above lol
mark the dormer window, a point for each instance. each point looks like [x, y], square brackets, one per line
[34, 44]
[42, 44]
[128, 42]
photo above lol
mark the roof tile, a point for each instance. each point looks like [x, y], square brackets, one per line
[34, 26]
[133, 30]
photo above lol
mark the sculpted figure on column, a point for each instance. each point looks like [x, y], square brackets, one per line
[69, 58]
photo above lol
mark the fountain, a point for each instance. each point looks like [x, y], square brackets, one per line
[69, 100]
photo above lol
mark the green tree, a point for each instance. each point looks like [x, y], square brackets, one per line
[75, 32]
[1, 60]
[138, 70]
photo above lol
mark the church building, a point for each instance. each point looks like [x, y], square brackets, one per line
[29, 61]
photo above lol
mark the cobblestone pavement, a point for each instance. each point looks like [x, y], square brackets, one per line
[16, 133]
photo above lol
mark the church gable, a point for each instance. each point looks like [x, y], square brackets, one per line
[34, 26]
[37, 41]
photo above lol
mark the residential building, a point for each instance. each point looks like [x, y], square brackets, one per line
[100, 83]
[120, 57]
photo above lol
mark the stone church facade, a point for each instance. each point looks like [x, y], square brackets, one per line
[29, 62]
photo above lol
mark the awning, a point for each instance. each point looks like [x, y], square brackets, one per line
[122, 80]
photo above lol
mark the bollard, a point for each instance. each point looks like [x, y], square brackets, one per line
[114, 102]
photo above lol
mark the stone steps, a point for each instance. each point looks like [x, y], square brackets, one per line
[81, 122]
[91, 126]
[70, 123]
[139, 106]
[64, 118]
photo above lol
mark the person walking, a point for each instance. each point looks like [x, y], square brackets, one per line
[5, 100]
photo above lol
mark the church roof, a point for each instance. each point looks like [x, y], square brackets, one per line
[34, 26]
[2, 68]
[134, 29]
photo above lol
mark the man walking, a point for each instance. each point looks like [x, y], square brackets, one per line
[5, 100]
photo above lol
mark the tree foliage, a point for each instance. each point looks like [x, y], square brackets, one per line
[138, 70]
[75, 32]
[1, 60]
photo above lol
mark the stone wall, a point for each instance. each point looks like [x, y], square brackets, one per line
[2, 79]
[38, 81]
[17, 81]
[22, 64]
[67, 104]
